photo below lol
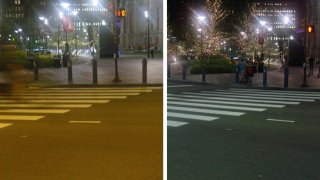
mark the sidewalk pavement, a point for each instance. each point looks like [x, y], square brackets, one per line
[275, 78]
[129, 71]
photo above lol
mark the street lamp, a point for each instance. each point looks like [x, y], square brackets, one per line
[146, 15]
[201, 19]
[75, 13]
[45, 34]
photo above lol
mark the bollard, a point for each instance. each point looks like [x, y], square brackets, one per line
[69, 70]
[265, 75]
[144, 71]
[36, 69]
[169, 70]
[203, 72]
[286, 77]
[94, 71]
[184, 72]
[237, 74]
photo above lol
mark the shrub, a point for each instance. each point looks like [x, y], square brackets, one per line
[213, 65]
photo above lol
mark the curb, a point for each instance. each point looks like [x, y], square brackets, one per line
[94, 85]
[242, 86]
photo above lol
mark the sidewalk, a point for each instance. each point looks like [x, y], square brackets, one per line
[275, 78]
[129, 71]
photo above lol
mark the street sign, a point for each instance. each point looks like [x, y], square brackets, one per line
[67, 24]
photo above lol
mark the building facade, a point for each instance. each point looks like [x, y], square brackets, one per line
[43, 19]
[276, 18]
[134, 29]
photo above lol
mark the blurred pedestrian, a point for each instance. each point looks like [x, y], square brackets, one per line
[311, 64]
[152, 51]
[242, 68]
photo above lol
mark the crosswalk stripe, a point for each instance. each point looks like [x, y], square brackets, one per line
[20, 117]
[74, 94]
[191, 116]
[208, 111]
[85, 122]
[175, 86]
[3, 125]
[84, 91]
[279, 91]
[19, 105]
[252, 97]
[105, 88]
[262, 94]
[68, 97]
[218, 106]
[175, 123]
[41, 111]
[243, 99]
[279, 120]
[58, 101]
[227, 102]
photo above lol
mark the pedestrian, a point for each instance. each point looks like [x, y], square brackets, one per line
[242, 68]
[311, 65]
[152, 51]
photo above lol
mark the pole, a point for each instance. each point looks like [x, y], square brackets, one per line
[116, 42]
[203, 76]
[304, 84]
[144, 70]
[148, 28]
[59, 31]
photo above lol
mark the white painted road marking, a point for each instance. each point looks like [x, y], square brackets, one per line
[208, 111]
[250, 97]
[279, 120]
[175, 86]
[19, 105]
[279, 91]
[85, 122]
[227, 102]
[175, 123]
[217, 106]
[236, 99]
[41, 111]
[3, 125]
[73, 94]
[20, 118]
[255, 94]
[69, 97]
[58, 101]
[191, 116]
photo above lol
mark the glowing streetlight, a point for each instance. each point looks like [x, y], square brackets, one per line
[201, 19]
[146, 15]
[65, 5]
[95, 3]
[263, 23]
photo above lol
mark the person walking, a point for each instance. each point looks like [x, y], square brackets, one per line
[242, 68]
[311, 65]
[152, 51]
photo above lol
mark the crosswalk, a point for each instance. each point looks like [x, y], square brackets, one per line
[187, 107]
[36, 103]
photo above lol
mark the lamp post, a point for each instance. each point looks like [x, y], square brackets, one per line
[44, 35]
[116, 27]
[146, 15]
[75, 13]
[203, 76]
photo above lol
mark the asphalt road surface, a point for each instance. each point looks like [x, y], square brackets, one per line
[242, 133]
[82, 133]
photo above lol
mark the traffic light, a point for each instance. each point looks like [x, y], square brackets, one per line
[121, 12]
[310, 29]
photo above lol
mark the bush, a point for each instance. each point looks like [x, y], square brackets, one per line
[214, 64]
[20, 57]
